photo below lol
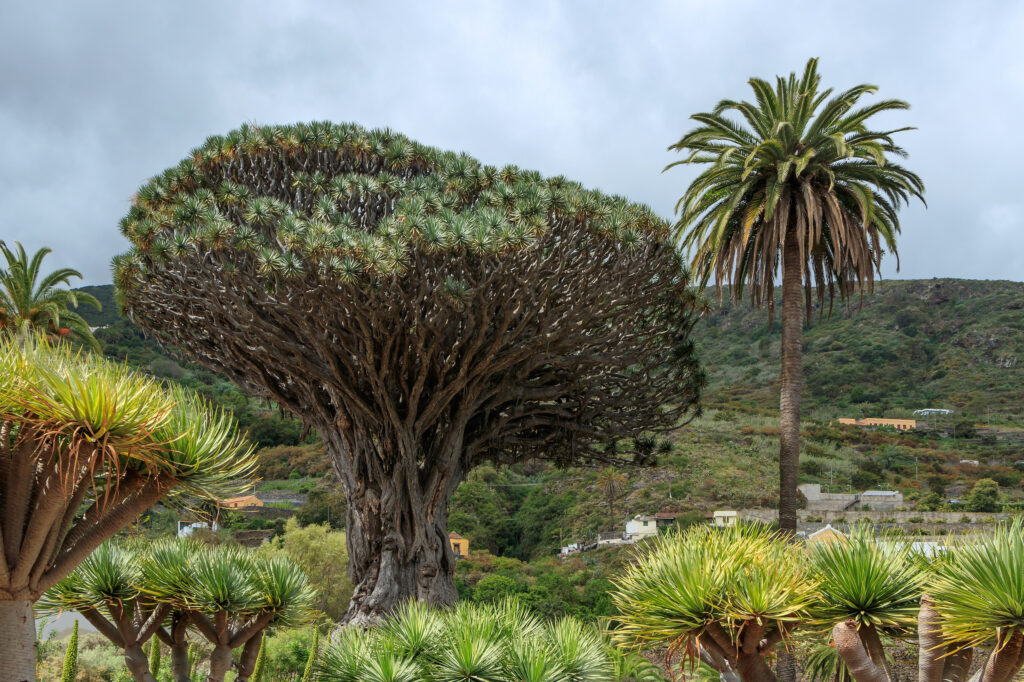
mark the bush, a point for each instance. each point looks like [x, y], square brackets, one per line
[322, 554]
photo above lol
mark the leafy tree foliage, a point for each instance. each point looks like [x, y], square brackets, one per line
[984, 497]
[32, 304]
[421, 311]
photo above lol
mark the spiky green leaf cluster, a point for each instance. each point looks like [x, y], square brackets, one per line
[345, 204]
[489, 643]
[228, 580]
[130, 419]
[871, 580]
[978, 587]
[704, 575]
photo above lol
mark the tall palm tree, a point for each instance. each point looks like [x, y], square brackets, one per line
[799, 183]
[29, 303]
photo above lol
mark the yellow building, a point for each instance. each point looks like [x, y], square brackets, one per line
[460, 545]
[241, 502]
[826, 534]
[898, 424]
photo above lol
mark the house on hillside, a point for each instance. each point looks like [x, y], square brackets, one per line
[666, 518]
[641, 527]
[827, 534]
[898, 424]
[725, 518]
[243, 502]
[881, 500]
[460, 545]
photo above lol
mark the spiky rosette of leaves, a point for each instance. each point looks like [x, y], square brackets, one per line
[874, 581]
[493, 643]
[726, 596]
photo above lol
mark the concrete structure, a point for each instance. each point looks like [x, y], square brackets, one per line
[898, 424]
[240, 502]
[641, 527]
[826, 534]
[460, 545]
[819, 501]
[881, 500]
[610, 538]
[877, 500]
[724, 518]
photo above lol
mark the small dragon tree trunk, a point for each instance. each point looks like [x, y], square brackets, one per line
[18, 624]
[396, 529]
[177, 640]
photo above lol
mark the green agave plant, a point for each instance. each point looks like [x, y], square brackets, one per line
[483, 643]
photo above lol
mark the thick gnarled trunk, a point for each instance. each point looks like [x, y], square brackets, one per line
[18, 632]
[396, 530]
[792, 382]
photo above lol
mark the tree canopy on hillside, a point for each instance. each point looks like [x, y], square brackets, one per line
[422, 312]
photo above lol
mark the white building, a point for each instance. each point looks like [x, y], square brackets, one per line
[185, 529]
[641, 527]
[724, 518]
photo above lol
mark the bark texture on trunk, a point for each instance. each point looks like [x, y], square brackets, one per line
[247, 661]
[855, 653]
[791, 380]
[930, 661]
[397, 529]
[137, 662]
[17, 641]
[1006, 659]
[220, 663]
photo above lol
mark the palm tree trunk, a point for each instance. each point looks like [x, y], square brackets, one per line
[17, 640]
[792, 382]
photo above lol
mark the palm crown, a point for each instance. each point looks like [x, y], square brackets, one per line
[801, 165]
[28, 303]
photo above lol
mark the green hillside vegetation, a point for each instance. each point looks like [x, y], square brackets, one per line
[937, 343]
[912, 344]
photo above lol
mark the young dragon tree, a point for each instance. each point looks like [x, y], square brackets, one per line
[230, 597]
[724, 597]
[85, 447]
[107, 589]
[420, 311]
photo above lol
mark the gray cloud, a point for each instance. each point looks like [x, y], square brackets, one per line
[97, 97]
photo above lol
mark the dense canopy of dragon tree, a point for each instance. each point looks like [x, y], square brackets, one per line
[421, 311]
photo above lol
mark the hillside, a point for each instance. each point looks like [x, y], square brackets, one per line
[936, 343]
[913, 343]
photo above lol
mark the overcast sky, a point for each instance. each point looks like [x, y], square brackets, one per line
[96, 97]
